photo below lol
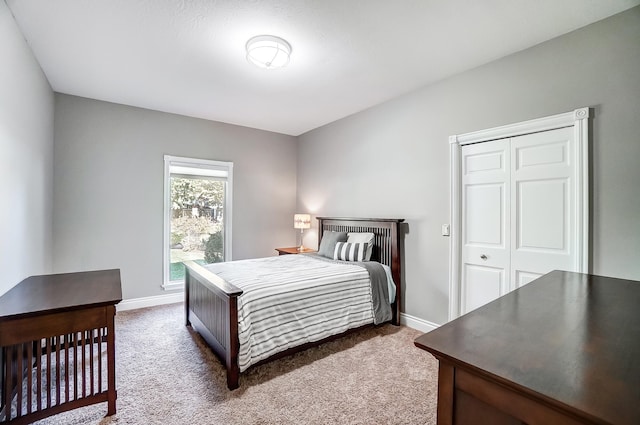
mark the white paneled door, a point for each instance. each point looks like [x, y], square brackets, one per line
[486, 197]
[518, 213]
[542, 210]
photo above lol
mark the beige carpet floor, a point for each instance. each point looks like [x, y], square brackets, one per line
[166, 374]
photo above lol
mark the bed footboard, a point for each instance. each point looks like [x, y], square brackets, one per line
[211, 308]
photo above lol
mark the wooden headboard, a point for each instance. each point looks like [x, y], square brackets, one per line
[387, 245]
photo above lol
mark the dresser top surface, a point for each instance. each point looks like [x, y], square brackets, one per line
[569, 338]
[60, 292]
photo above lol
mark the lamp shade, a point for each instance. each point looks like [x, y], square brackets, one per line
[268, 51]
[302, 221]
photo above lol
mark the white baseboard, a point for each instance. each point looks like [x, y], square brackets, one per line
[417, 323]
[135, 303]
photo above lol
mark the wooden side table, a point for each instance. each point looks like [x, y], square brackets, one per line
[52, 332]
[293, 250]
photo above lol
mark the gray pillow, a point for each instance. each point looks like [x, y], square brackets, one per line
[329, 241]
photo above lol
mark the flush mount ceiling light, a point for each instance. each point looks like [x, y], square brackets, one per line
[268, 51]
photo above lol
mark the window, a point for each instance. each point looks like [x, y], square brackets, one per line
[197, 214]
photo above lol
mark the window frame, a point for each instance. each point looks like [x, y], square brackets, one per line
[170, 160]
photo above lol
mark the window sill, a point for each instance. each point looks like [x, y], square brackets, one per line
[173, 286]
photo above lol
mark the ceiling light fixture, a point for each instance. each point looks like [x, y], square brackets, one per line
[268, 51]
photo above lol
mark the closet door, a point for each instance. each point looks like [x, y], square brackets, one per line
[518, 213]
[486, 192]
[519, 206]
[543, 211]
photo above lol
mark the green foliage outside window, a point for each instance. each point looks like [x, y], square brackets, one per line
[213, 251]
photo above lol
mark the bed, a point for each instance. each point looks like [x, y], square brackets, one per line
[212, 303]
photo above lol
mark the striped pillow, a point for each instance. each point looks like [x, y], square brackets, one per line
[346, 251]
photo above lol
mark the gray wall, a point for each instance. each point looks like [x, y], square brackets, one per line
[393, 160]
[108, 186]
[26, 158]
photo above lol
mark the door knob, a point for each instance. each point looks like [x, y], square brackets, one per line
[484, 257]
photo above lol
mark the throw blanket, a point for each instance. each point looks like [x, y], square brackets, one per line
[380, 297]
[294, 299]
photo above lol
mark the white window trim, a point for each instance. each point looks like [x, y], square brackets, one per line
[204, 163]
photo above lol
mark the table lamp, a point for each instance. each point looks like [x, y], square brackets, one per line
[301, 221]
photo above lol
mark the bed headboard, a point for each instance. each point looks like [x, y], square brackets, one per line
[387, 245]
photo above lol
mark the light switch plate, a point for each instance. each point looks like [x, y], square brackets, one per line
[446, 230]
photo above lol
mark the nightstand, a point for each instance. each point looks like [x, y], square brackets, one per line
[293, 250]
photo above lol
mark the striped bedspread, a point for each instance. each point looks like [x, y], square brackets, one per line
[294, 299]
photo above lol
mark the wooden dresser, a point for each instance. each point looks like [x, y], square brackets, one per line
[564, 349]
[57, 344]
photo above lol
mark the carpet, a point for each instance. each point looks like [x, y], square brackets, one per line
[166, 374]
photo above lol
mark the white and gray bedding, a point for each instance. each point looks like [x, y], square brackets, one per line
[294, 299]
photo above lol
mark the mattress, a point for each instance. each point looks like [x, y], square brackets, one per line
[291, 300]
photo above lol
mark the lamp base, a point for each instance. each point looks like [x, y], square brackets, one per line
[301, 248]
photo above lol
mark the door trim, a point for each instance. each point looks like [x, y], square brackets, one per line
[579, 120]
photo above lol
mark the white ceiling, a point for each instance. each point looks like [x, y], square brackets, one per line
[188, 57]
